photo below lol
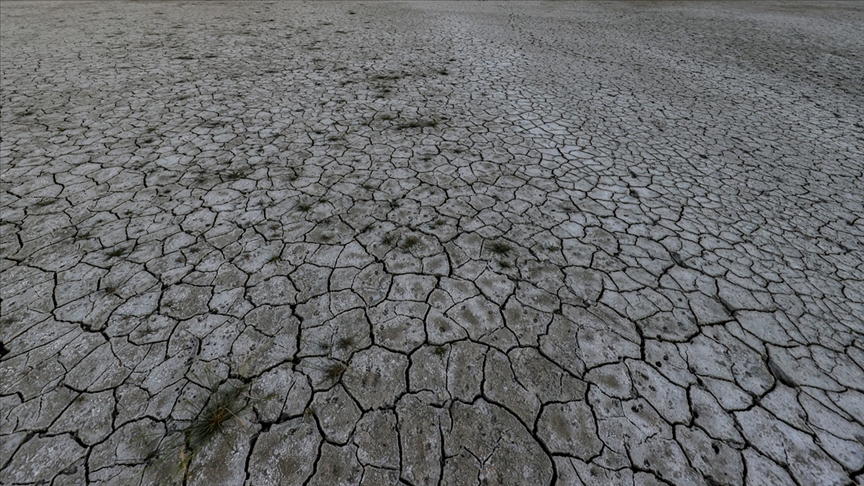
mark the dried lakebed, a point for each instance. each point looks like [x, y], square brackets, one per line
[432, 243]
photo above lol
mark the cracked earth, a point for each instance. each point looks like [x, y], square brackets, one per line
[432, 243]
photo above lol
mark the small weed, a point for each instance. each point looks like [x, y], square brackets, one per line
[334, 371]
[440, 350]
[346, 342]
[275, 258]
[213, 419]
[304, 207]
[387, 116]
[223, 406]
[389, 239]
[116, 252]
[110, 290]
[504, 264]
[500, 248]
[410, 242]
[395, 203]
[234, 175]
[419, 123]
[387, 77]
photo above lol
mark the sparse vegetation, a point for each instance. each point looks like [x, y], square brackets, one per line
[388, 77]
[389, 239]
[224, 405]
[346, 342]
[410, 242]
[499, 248]
[418, 123]
[334, 371]
[234, 175]
[304, 207]
[116, 252]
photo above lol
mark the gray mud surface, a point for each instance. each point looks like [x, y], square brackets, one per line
[466, 243]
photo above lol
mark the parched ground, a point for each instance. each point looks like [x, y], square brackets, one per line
[467, 243]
